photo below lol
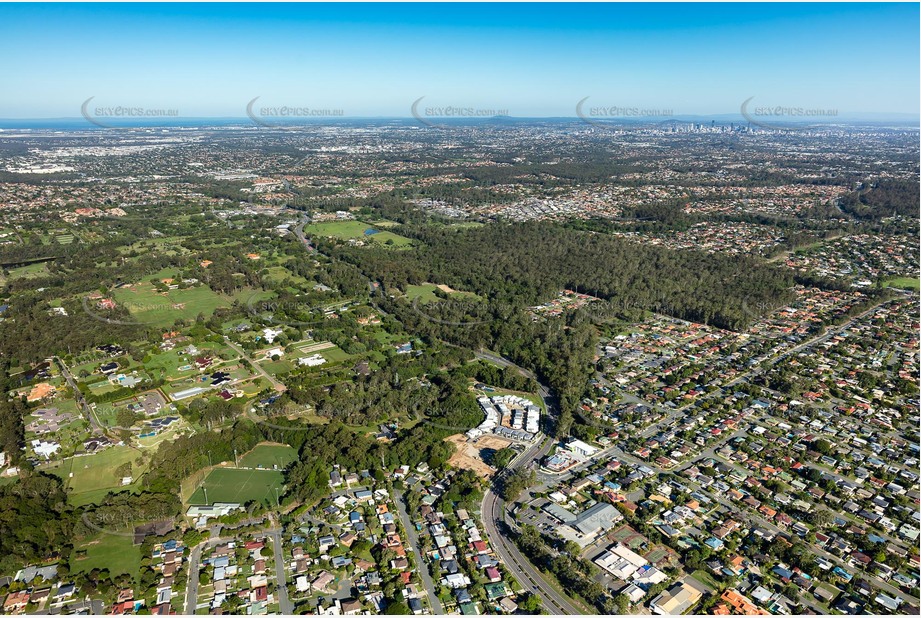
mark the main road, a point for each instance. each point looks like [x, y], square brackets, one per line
[493, 513]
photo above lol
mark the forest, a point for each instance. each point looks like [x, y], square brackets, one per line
[528, 263]
[886, 198]
[515, 266]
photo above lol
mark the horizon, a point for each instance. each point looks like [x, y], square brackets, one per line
[854, 120]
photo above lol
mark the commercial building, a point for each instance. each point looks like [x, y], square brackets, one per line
[580, 448]
[676, 600]
[590, 524]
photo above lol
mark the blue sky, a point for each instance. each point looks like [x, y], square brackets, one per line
[530, 59]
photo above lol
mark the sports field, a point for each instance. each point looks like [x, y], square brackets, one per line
[345, 230]
[268, 456]
[93, 473]
[239, 486]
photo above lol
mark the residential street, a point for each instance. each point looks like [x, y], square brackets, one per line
[414, 541]
[278, 386]
[281, 589]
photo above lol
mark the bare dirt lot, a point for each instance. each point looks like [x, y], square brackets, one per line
[474, 455]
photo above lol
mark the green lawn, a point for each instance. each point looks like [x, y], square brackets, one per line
[905, 283]
[705, 578]
[166, 365]
[279, 367]
[268, 455]
[116, 552]
[345, 230]
[241, 486]
[334, 354]
[168, 245]
[254, 387]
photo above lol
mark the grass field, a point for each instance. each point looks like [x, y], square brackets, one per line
[329, 351]
[37, 269]
[345, 230]
[151, 307]
[240, 486]
[280, 273]
[168, 245]
[425, 293]
[268, 456]
[95, 473]
[166, 365]
[904, 283]
[115, 552]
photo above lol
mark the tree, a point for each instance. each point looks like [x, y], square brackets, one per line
[397, 608]
[123, 470]
[530, 604]
[232, 604]
[516, 482]
[503, 457]
[572, 548]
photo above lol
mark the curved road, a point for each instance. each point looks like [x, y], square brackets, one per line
[493, 513]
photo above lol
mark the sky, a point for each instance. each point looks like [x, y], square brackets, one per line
[530, 60]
